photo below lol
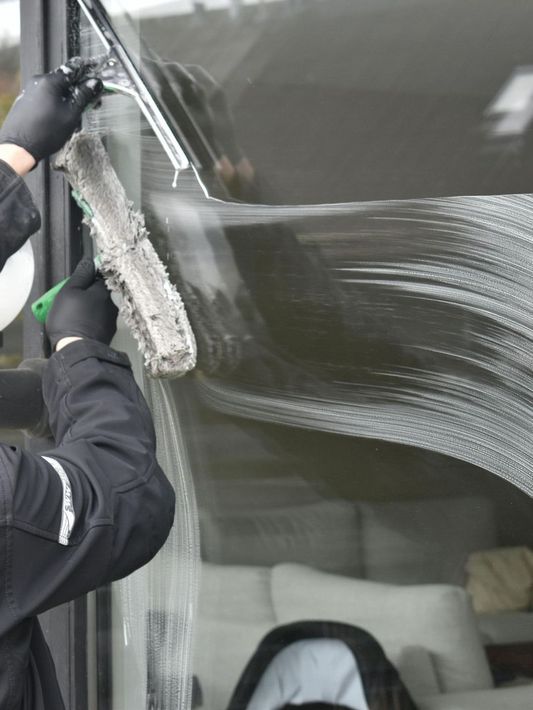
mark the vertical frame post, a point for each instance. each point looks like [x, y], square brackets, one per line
[50, 34]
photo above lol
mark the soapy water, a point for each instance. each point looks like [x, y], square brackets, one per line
[450, 277]
[453, 279]
[460, 266]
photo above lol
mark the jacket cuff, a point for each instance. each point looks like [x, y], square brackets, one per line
[7, 174]
[10, 180]
[80, 350]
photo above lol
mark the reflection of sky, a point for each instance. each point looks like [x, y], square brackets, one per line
[9, 20]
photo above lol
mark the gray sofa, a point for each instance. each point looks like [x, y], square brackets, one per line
[428, 630]
[399, 542]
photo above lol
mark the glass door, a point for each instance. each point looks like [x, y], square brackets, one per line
[353, 246]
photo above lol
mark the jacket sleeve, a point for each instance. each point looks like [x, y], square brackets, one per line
[19, 218]
[97, 506]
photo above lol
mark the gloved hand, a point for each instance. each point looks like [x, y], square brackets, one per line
[49, 109]
[83, 308]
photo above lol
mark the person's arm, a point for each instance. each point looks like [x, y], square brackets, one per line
[19, 217]
[49, 109]
[41, 120]
[17, 158]
[97, 506]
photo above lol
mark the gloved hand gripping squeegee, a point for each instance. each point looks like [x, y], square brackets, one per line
[149, 303]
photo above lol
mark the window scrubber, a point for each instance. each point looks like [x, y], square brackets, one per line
[149, 303]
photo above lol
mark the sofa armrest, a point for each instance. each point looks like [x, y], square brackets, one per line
[518, 697]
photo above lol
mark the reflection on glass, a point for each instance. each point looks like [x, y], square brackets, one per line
[362, 403]
[341, 101]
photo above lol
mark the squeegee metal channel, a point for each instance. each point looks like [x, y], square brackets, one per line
[97, 17]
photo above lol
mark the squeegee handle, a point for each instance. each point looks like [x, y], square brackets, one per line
[41, 307]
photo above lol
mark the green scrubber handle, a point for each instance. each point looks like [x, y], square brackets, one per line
[41, 307]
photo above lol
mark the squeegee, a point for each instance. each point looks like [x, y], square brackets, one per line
[149, 303]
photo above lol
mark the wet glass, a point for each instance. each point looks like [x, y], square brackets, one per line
[11, 345]
[357, 430]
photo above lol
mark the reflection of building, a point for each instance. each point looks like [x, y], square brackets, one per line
[338, 101]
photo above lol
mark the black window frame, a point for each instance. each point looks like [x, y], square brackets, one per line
[48, 37]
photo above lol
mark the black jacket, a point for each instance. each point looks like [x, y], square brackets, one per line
[87, 512]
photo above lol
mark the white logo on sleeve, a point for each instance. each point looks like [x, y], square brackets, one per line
[68, 516]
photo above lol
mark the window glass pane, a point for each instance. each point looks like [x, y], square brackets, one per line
[358, 427]
[336, 100]
[11, 347]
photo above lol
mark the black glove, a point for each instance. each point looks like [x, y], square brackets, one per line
[49, 109]
[83, 308]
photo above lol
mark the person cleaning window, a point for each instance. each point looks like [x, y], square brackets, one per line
[97, 506]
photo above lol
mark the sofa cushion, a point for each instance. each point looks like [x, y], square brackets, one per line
[425, 541]
[324, 535]
[500, 579]
[235, 495]
[222, 650]
[235, 593]
[234, 613]
[435, 618]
